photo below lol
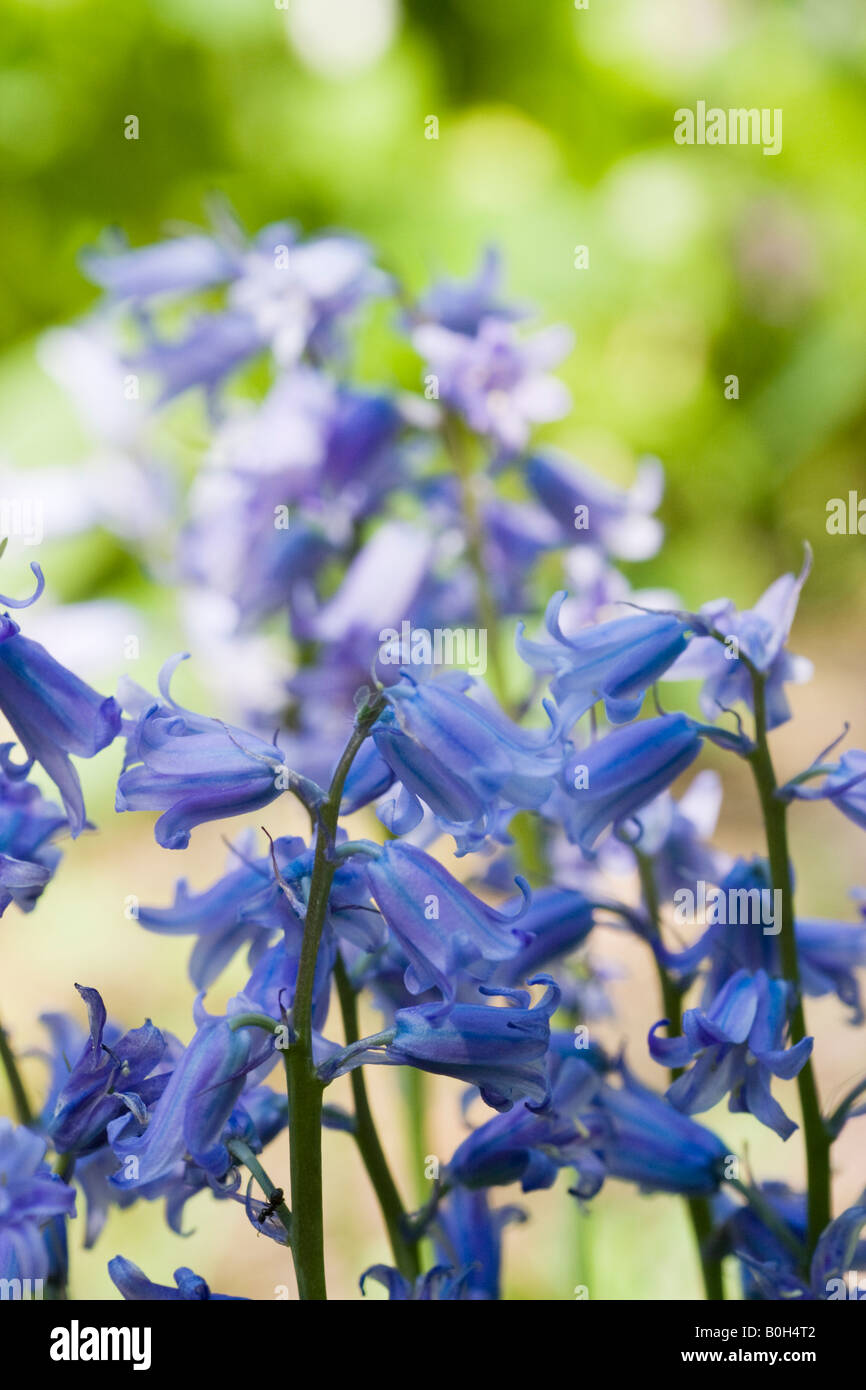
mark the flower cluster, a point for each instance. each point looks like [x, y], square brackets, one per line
[526, 793]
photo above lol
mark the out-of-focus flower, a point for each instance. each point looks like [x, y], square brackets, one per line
[650, 1143]
[30, 1197]
[498, 382]
[739, 1044]
[440, 1284]
[462, 305]
[469, 1237]
[591, 511]
[28, 858]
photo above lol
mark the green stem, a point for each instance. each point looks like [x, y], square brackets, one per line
[304, 1086]
[415, 1092]
[16, 1085]
[244, 1154]
[700, 1214]
[816, 1137]
[474, 530]
[369, 1144]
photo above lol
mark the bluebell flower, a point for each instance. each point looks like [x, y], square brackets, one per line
[177, 265]
[28, 857]
[30, 1197]
[844, 785]
[650, 1143]
[107, 1079]
[532, 1143]
[760, 634]
[441, 927]
[591, 511]
[52, 712]
[739, 1044]
[607, 782]
[191, 767]
[134, 1284]
[439, 1284]
[500, 1050]
[469, 1237]
[615, 661]
[495, 380]
[214, 346]
[829, 953]
[557, 921]
[461, 756]
[771, 1256]
[462, 305]
[245, 907]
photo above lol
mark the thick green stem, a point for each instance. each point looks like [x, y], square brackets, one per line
[369, 1144]
[16, 1085]
[815, 1133]
[305, 1088]
[700, 1214]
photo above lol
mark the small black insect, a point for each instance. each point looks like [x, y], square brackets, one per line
[269, 1209]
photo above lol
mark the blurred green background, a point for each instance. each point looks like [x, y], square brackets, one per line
[555, 131]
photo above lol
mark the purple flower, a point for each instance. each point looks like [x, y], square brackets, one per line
[28, 858]
[52, 712]
[439, 1284]
[462, 305]
[650, 1143]
[615, 661]
[178, 265]
[461, 756]
[591, 511]
[30, 1197]
[105, 1081]
[469, 1237]
[441, 927]
[607, 782]
[502, 1051]
[739, 1046]
[134, 1284]
[496, 381]
[760, 634]
[191, 767]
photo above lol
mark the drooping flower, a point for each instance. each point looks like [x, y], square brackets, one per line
[469, 1237]
[134, 1284]
[844, 785]
[462, 305]
[191, 767]
[441, 927]
[615, 661]
[650, 1143]
[500, 1050]
[772, 1251]
[607, 782]
[498, 382]
[739, 1045]
[439, 1284]
[31, 1196]
[461, 756]
[28, 857]
[532, 1143]
[759, 634]
[52, 712]
[107, 1079]
[591, 511]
